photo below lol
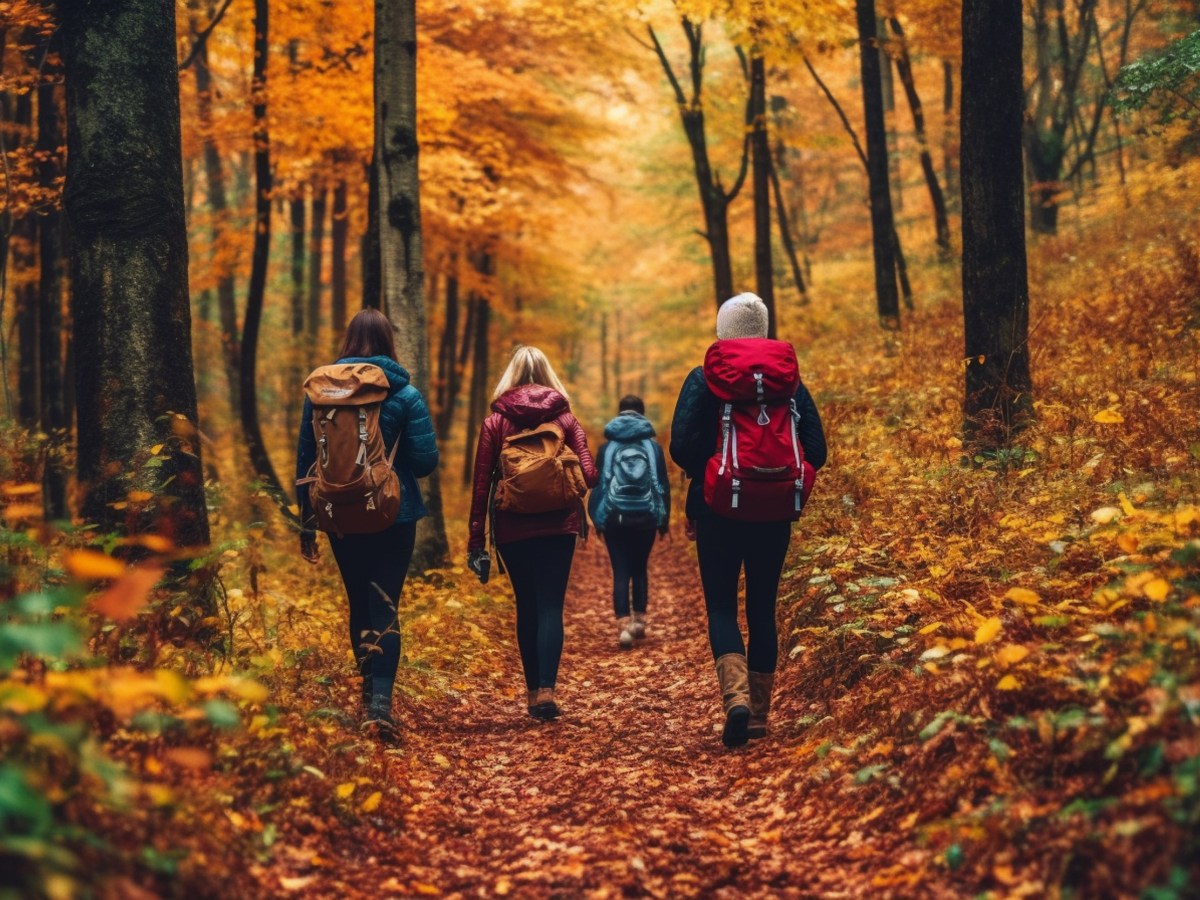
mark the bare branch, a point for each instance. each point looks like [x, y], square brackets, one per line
[203, 35]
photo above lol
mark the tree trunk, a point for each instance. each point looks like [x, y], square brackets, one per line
[998, 398]
[949, 132]
[399, 211]
[372, 285]
[714, 199]
[448, 371]
[936, 198]
[339, 230]
[760, 148]
[887, 89]
[477, 407]
[23, 246]
[887, 298]
[316, 261]
[53, 414]
[299, 239]
[260, 459]
[785, 227]
[214, 173]
[124, 200]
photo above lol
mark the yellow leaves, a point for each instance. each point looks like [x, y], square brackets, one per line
[1126, 506]
[1011, 654]
[345, 789]
[241, 687]
[988, 630]
[1008, 683]
[440, 761]
[930, 628]
[88, 565]
[1157, 589]
[953, 443]
[372, 802]
[1024, 596]
[1108, 416]
[21, 699]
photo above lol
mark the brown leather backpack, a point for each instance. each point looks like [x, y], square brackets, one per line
[353, 488]
[537, 472]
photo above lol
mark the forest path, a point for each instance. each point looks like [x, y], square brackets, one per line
[629, 793]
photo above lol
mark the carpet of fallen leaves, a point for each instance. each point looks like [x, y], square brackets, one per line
[989, 682]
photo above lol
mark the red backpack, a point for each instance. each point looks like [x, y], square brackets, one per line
[758, 473]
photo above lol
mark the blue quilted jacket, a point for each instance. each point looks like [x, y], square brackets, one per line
[404, 412]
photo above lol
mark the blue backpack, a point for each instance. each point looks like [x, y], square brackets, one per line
[631, 495]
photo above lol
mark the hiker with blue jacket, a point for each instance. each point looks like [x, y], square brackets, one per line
[629, 506]
[373, 565]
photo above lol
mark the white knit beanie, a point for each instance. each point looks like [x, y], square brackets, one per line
[743, 316]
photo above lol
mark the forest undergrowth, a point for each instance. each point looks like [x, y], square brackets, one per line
[990, 682]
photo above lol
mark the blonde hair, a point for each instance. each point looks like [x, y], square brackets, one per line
[529, 366]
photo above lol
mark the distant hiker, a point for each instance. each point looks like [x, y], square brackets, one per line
[747, 433]
[532, 468]
[631, 503]
[369, 422]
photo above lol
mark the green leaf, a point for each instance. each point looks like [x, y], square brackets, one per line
[221, 714]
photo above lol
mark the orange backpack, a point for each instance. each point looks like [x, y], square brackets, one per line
[537, 472]
[353, 488]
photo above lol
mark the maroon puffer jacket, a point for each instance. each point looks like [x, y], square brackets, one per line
[524, 407]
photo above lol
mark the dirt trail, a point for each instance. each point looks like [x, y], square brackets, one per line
[630, 793]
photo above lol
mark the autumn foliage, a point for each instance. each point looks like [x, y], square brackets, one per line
[989, 680]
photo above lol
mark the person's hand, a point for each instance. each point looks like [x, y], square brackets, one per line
[309, 548]
[689, 529]
[480, 563]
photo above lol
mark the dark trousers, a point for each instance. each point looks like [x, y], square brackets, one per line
[539, 568]
[366, 561]
[629, 549]
[724, 548]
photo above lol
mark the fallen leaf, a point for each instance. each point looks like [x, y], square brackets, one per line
[129, 594]
[372, 803]
[88, 565]
[988, 630]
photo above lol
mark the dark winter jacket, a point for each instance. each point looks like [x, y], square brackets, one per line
[524, 407]
[696, 427]
[403, 413]
[632, 426]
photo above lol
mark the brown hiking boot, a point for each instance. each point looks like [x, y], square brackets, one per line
[625, 638]
[761, 684]
[545, 706]
[638, 626]
[733, 676]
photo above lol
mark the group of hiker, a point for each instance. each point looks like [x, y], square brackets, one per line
[745, 431]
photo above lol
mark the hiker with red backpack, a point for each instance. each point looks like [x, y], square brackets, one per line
[532, 469]
[629, 506]
[748, 435]
[365, 438]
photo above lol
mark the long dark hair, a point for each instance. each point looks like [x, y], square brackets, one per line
[369, 334]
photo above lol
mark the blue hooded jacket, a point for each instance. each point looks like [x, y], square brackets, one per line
[403, 412]
[631, 426]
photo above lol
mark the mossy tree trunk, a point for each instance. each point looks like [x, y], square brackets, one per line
[402, 263]
[135, 387]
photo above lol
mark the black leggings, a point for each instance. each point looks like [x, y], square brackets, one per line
[379, 559]
[723, 547]
[629, 549]
[539, 568]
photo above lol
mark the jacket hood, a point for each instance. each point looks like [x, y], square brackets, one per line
[629, 426]
[531, 404]
[397, 375]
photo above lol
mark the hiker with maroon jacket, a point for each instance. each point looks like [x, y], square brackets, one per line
[532, 468]
[748, 435]
[631, 503]
[373, 564]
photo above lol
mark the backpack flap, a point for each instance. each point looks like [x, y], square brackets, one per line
[347, 384]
